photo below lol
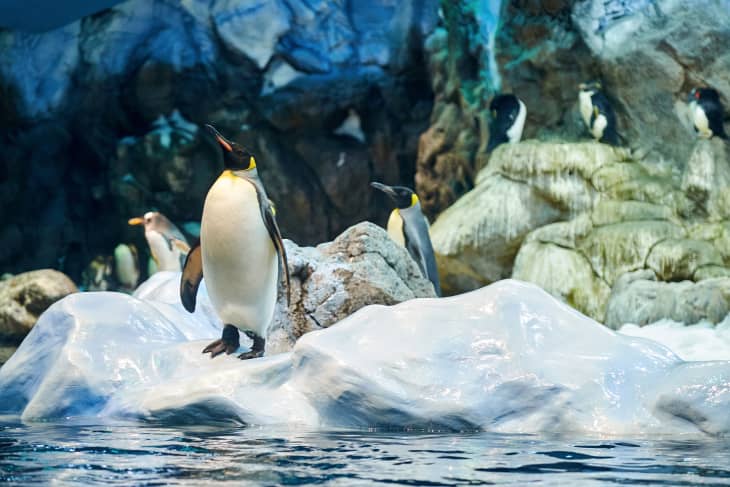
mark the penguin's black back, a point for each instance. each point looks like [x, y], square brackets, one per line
[601, 101]
[710, 102]
[503, 112]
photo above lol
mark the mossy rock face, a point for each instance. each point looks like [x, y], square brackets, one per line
[565, 274]
[624, 247]
[678, 259]
[477, 238]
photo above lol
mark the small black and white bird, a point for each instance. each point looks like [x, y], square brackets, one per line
[597, 113]
[507, 116]
[408, 227]
[706, 113]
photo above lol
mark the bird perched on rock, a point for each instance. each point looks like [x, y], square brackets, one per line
[706, 113]
[408, 227]
[597, 113]
[507, 116]
[167, 244]
[240, 253]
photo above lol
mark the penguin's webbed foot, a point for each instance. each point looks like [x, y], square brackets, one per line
[257, 349]
[228, 342]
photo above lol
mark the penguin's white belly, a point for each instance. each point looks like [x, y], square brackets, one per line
[167, 259]
[599, 125]
[700, 121]
[586, 107]
[514, 133]
[395, 228]
[239, 259]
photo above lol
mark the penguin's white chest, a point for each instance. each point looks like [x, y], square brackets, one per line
[167, 257]
[514, 133]
[395, 228]
[239, 259]
[699, 119]
[586, 107]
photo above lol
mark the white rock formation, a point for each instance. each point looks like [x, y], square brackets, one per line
[505, 358]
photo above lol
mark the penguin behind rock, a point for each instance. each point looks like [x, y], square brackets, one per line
[126, 266]
[507, 116]
[240, 253]
[706, 113]
[597, 113]
[167, 244]
[408, 227]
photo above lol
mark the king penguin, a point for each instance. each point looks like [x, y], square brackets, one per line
[167, 244]
[597, 113]
[507, 116]
[408, 227]
[240, 253]
[706, 113]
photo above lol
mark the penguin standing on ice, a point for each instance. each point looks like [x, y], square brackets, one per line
[507, 116]
[240, 253]
[706, 113]
[408, 227]
[167, 244]
[597, 113]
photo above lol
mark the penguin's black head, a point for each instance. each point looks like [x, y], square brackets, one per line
[235, 157]
[709, 94]
[590, 86]
[402, 197]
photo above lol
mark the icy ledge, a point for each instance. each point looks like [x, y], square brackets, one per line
[506, 358]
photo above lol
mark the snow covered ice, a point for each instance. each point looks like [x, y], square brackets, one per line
[506, 358]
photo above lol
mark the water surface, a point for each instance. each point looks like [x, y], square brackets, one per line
[69, 453]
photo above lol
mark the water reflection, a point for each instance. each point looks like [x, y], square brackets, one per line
[130, 453]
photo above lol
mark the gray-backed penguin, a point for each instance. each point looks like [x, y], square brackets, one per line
[167, 244]
[240, 253]
[706, 113]
[408, 227]
[597, 113]
[507, 116]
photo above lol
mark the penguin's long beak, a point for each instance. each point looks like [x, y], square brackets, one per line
[385, 189]
[224, 143]
[136, 221]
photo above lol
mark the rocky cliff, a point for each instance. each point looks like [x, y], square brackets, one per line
[99, 117]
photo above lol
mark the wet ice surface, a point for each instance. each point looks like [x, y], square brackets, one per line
[70, 453]
[507, 358]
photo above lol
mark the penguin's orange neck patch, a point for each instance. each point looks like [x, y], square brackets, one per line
[227, 174]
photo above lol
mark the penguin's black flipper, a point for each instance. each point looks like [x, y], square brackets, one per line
[191, 276]
[275, 234]
[417, 242]
[713, 112]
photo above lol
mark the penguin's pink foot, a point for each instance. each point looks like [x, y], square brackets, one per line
[227, 343]
[257, 349]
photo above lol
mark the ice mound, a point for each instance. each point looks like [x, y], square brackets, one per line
[701, 341]
[507, 358]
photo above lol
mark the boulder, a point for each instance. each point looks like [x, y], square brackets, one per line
[508, 358]
[679, 259]
[640, 299]
[361, 266]
[706, 179]
[25, 296]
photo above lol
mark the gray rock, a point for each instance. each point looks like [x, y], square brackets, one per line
[360, 267]
[24, 297]
[707, 177]
[640, 299]
[678, 259]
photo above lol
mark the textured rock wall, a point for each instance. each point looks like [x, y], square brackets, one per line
[99, 117]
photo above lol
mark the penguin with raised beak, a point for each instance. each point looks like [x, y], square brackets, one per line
[168, 245]
[240, 253]
[408, 227]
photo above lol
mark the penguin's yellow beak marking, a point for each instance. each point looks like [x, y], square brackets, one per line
[414, 199]
[136, 221]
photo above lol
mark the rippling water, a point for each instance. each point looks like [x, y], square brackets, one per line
[146, 455]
